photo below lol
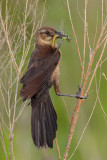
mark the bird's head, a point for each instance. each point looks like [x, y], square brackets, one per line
[48, 36]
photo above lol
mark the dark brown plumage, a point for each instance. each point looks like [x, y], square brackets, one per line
[42, 73]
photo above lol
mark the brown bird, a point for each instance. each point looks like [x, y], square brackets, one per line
[42, 73]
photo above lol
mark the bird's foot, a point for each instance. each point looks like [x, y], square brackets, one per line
[79, 92]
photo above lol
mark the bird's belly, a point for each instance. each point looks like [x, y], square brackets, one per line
[55, 75]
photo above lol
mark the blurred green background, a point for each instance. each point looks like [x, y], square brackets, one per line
[93, 145]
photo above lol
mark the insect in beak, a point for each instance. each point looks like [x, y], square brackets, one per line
[61, 36]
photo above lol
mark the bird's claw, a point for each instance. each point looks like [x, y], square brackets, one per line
[79, 92]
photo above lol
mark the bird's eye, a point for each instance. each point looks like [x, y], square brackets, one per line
[47, 32]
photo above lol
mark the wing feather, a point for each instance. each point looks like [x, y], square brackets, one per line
[37, 75]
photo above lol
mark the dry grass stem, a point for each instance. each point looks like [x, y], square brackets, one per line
[102, 11]
[3, 142]
[66, 109]
[97, 65]
[92, 55]
[14, 40]
[103, 74]
[59, 156]
[8, 42]
[89, 119]
[85, 33]
[74, 33]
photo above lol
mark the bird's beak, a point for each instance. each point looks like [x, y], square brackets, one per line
[59, 35]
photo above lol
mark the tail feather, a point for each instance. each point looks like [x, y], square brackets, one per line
[50, 129]
[43, 121]
[53, 117]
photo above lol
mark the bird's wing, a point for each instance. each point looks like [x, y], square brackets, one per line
[37, 75]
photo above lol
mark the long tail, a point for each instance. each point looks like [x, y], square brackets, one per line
[43, 121]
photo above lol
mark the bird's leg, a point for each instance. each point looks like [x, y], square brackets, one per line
[71, 95]
[78, 94]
